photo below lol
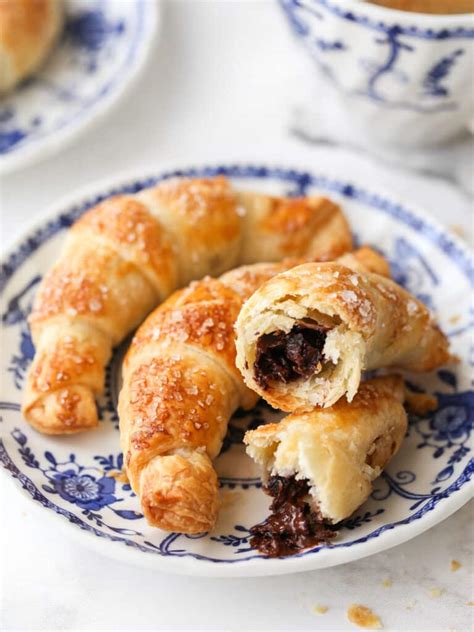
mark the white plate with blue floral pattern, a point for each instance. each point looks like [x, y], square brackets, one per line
[77, 478]
[104, 44]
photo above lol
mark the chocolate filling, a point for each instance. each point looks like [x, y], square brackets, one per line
[293, 524]
[284, 357]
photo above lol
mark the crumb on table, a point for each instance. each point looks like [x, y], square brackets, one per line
[457, 229]
[455, 319]
[363, 617]
[470, 603]
[455, 565]
[436, 592]
[320, 609]
[387, 583]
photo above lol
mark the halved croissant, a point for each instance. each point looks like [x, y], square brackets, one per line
[305, 336]
[180, 388]
[319, 466]
[128, 254]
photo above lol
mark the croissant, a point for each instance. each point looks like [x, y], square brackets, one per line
[305, 336]
[28, 31]
[128, 254]
[180, 388]
[319, 466]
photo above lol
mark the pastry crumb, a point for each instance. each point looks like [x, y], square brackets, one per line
[320, 609]
[470, 603]
[436, 592]
[387, 583]
[458, 230]
[455, 319]
[119, 475]
[363, 617]
[455, 565]
[410, 605]
[420, 404]
[229, 498]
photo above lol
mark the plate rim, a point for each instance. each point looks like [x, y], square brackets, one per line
[256, 567]
[250, 567]
[43, 149]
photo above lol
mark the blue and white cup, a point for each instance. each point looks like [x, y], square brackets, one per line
[404, 78]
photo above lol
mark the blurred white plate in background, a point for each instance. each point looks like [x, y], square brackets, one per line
[104, 45]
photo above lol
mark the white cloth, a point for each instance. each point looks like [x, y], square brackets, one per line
[453, 162]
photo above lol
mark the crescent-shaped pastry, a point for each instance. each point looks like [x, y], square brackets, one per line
[180, 388]
[304, 338]
[28, 30]
[126, 255]
[319, 466]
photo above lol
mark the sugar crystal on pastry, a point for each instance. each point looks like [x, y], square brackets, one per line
[368, 320]
[179, 393]
[130, 252]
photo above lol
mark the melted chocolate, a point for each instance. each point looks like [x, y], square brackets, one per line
[284, 357]
[293, 524]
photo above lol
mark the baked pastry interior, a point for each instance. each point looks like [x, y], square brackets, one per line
[319, 466]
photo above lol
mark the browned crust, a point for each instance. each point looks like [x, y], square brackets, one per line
[67, 363]
[174, 403]
[125, 255]
[296, 221]
[129, 229]
[28, 29]
[205, 208]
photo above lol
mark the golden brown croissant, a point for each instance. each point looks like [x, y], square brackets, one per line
[128, 254]
[319, 466]
[305, 336]
[180, 388]
[28, 30]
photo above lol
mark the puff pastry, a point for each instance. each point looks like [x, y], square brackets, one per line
[305, 336]
[319, 466]
[128, 254]
[180, 388]
[28, 31]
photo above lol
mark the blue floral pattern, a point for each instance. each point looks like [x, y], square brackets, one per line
[382, 76]
[87, 487]
[18, 308]
[100, 46]
[411, 270]
[432, 83]
[82, 489]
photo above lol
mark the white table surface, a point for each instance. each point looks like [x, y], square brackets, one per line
[222, 83]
